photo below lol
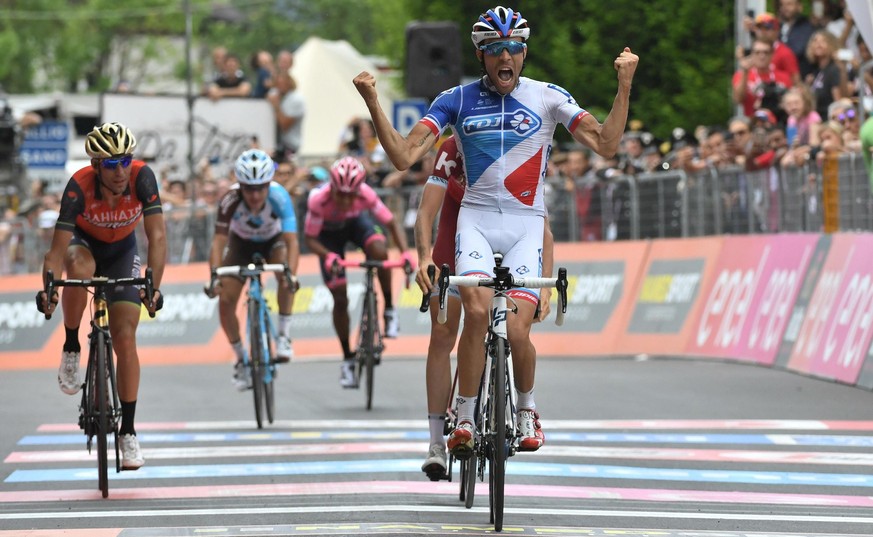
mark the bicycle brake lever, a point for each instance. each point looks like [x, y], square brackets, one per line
[150, 291]
[561, 285]
[49, 286]
[444, 287]
[425, 297]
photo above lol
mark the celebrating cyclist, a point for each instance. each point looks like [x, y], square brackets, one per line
[255, 217]
[338, 213]
[94, 235]
[442, 194]
[504, 125]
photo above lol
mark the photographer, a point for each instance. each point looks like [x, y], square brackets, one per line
[758, 83]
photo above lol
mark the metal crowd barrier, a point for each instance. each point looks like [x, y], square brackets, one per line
[646, 206]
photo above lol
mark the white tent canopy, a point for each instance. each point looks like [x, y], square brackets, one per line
[324, 71]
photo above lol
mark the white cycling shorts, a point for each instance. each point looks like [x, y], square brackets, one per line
[519, 238]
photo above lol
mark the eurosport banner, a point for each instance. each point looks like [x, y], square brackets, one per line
[836, 332]
[748, 304]
[602, 280]
[667, 297]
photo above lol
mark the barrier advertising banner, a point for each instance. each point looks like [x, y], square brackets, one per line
[747, 306]
[668, 296]
[835, 335]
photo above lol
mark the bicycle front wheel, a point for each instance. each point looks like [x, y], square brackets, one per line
[256, 361]
[101, 407]
[367, 348]
[499, 447]
[268, 371]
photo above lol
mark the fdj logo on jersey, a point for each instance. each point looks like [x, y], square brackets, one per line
[521, 121]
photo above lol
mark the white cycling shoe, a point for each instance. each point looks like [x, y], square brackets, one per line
[68, 373]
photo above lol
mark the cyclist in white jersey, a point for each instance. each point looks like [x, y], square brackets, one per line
[503, 124]
[256, 216]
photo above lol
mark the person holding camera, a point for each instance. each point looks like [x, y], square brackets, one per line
[758, 83]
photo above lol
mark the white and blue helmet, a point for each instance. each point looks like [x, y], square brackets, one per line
[500, 22]
[254, 167]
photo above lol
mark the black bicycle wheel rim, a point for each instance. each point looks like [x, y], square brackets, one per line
[268, 385]
[255, 361]
[497, 468]
[468, 483]
[102, 415]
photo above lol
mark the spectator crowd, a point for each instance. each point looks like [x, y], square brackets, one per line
[799, 91]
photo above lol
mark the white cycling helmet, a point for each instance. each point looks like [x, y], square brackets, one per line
[500, 22]
[254, 167]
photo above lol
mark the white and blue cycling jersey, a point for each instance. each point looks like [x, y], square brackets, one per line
[505, 139]
[277, 216]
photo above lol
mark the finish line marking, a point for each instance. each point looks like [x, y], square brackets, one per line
[166, 513]
[414, 466]
[795, 425]
[442, 489]
[295, 450]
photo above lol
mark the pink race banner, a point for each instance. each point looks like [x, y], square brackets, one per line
[748, 303]
[837, 328]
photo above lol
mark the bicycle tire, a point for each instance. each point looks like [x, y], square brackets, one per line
[255, 350]
[368, 347]
[269, 400]
[468, 480]
[499, 447]
[102, 414]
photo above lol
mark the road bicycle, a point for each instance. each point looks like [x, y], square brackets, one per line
[496, 428]
[261, 332]
[100, 409]
[370, 341]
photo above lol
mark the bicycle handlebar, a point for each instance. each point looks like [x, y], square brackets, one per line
[99, 281]
[376, 264]
[254, 269]
[502, 284]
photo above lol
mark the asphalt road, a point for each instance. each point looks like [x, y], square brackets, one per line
[652, 447]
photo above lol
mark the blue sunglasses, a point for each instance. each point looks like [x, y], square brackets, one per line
[496, 48]
[112, 163]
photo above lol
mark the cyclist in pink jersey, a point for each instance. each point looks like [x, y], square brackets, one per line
[443, 193]
[504, 124]
[338, 213]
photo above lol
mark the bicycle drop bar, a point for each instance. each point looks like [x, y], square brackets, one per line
[377, 264]
[100, 281]
[505, 284]
[252, 269]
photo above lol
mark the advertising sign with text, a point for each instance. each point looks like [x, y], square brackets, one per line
[747, 307]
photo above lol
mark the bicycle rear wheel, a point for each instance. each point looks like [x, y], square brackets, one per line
[498, 447]
[101, 406]
[255, 361]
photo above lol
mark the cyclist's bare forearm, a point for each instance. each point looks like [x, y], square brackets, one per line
[293, 248]
[219, 242]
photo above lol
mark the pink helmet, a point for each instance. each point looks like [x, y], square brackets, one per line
[347, 174]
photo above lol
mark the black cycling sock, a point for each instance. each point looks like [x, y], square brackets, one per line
[128, 410]
[346, 348]
[71, 343]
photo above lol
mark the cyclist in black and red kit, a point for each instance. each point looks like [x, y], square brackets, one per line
[94, 235]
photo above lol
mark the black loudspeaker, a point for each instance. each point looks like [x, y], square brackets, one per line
[433, 58]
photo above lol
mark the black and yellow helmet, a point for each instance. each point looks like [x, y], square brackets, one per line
[109, 140]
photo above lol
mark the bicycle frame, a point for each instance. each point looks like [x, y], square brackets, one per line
[100, 408]
[370, 341]
[495, 415]
[260, 331]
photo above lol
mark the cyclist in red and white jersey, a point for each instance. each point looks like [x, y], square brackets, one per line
[442, 194]
[339, 213]
[94, 235]
[504, 125]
